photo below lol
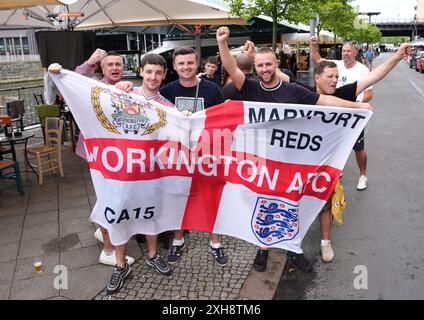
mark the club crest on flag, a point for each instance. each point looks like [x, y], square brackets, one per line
[274, 220]
[129, 116]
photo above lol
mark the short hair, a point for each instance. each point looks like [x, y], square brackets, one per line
[320, 66]
[109, 54]
[183, 51]
[265, 50]
[244, 63]
[153, 58]
[350, 43]
[212, 60]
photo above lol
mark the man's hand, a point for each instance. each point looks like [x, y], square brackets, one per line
[315, 41]
[54, 68]
[126, 86]
[222, 34]
[97, 56]
[404, 51]
[186, 113]
[249, 49]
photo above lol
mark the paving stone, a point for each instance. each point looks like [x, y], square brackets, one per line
[9, 252]
[4, 291]
[41, 218]
[11, 235]
[25, 267]
[34, 289]
[42, 206]
[42, 231]
[78, 258]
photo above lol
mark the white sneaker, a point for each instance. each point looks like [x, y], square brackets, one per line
[111, 259]
[327, 252]
[98, 235]
[362, 183]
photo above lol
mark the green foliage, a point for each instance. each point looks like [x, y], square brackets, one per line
[369, 33]
[289, 10]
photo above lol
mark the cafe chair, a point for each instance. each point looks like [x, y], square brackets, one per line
[5, 165]
[38, 98]
[47, 110]
[47, 157]
[16, 111]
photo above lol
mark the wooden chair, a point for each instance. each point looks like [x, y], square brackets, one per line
[48, 156]
[15, 175]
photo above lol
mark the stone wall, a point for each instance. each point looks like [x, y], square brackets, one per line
[18, 71]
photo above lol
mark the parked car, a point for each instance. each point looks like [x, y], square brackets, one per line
[420, 64]
[415, 57]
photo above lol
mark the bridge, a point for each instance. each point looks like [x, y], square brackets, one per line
[400, 27]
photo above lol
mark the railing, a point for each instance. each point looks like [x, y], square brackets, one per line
[18, 57]
[396, 20]
[26, 94]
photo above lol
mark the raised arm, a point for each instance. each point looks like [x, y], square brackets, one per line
[382, 70]
[315, 56]
[326, 100]
[237, 76]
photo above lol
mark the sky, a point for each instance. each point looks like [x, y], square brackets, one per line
[389, 8]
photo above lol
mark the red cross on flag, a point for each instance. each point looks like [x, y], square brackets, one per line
[256, 171]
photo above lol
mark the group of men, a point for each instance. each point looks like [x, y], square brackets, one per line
[339, 83]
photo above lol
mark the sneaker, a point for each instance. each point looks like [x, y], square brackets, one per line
[327, 253]
[111, 259]
[219, 255]
[98, 235]
[362, 183]
[261, 260]
[159, 265]
[175, 254]
[117, 279]
[299, 260]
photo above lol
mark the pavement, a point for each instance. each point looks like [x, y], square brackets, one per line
[49, 223]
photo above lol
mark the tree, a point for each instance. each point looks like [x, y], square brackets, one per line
[368, 33]
[289, 10]
[335, 15]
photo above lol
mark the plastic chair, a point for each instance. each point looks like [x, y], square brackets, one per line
[15, 175]
[47, 110]
[50, 153]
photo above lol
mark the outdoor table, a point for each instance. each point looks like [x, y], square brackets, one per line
[13, 140]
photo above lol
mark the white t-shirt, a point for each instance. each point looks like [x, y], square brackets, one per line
[351, 75]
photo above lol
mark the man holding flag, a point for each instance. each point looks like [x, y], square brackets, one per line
[271, 89]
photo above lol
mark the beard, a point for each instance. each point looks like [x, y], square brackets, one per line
[272, 78]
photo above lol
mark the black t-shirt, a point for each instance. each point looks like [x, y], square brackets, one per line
[346, 92]
[283, 93]
[229, 91]
[216, 79]
[183, 97]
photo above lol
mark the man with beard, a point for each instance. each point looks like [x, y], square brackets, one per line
[350, 71]
[271, 89]
[326, 78]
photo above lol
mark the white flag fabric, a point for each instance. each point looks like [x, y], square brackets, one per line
[256, 171]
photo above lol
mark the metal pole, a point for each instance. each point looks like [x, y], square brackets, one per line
[138, 42]
[159, 40]
[145, 43]
[312, 26]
